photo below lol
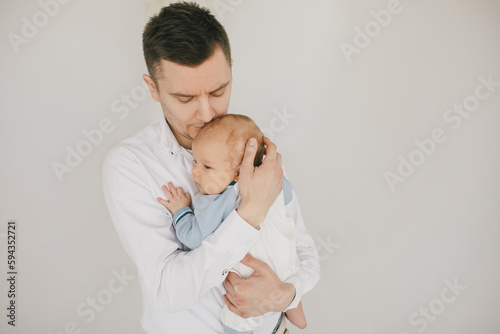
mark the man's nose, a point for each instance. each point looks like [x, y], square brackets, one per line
[205, 111]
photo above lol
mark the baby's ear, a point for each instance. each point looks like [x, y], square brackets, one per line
[237, 176]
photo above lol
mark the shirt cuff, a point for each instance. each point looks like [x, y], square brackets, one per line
[182, 212]
[295, 281]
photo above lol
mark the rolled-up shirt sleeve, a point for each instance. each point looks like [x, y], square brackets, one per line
[308, 274]
[176, 278]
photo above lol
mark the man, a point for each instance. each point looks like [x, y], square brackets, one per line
[189, 61]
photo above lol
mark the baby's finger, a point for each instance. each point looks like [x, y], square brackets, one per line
[167, 192]
[163, 202]
[180, 192]
[173, 190]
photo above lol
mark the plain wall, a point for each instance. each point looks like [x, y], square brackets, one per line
[388, 253]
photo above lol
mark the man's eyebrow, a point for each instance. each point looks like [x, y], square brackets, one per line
[189, 95]
[220, 87]
[182, 95]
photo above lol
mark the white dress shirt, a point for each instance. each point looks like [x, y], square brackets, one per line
[182, 290]
[276, 247]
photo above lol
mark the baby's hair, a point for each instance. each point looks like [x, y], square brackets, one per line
[238, 132]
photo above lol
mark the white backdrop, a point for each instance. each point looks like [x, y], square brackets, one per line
[387, 116]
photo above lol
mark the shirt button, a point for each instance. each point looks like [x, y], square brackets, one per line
[224, 273]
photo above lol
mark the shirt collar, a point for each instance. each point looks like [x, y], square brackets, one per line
[168, 142]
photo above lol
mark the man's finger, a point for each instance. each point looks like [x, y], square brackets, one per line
[230, 298]
[230, 305]
[233, 279]
[279, 160]
[271, 149]
[249, 157]
[252, 262]
[229, 286]
[226, 300]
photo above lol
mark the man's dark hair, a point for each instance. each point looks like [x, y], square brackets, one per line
[183, 33]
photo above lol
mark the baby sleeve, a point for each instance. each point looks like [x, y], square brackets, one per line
[209, 212]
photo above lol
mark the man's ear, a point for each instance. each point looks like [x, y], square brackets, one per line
[152, 87]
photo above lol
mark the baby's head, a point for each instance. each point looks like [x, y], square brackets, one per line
[218, 151]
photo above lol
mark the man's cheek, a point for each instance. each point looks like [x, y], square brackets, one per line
[221, 106]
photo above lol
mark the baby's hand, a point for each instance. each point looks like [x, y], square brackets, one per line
[177, 198]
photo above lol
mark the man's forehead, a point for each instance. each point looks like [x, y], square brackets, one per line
[206, 77]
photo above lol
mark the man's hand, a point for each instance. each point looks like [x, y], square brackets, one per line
[259, 186]
[258, 294]
[177, 198]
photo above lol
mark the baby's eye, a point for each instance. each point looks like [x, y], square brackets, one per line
[207, 167]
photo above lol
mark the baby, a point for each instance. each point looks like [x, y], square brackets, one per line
[218, 151]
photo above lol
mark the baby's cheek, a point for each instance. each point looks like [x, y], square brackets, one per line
[211, 186]
[212, 189]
